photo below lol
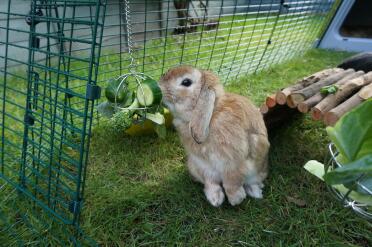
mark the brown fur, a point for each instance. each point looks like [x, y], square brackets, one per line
[174, 73]
[230, 147]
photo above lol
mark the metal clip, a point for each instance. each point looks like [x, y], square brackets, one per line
[282, 2]
[29, 119]
[93, 92]
[30, 18]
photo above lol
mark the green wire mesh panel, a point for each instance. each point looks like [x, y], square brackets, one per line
[48, 70]
[232, 38]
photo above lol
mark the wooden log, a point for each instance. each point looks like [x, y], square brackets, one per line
[301, 95]
[331, 117]
[344, 91]
[305, 106]
[366, 92]
[270, 101]
[281, 96]
[290, 103]
[349, 77]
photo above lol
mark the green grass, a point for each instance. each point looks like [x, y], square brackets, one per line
[138, 191]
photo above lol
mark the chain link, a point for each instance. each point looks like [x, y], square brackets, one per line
[128, 25]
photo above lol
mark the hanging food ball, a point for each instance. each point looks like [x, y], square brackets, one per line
[149, 93]
[118, 93]
[134, 105]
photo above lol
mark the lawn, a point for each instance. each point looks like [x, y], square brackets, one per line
[138, 191]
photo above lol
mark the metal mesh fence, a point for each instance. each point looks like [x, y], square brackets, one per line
[53, 53]
[232, 38]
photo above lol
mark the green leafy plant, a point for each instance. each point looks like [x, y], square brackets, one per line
[331, 89]
[128, 105]
[352, 136]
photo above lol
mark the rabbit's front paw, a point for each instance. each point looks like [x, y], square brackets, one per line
[254, 190]
[214, 194]
[237, 197]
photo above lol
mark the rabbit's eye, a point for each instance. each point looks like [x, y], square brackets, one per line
[186, 82]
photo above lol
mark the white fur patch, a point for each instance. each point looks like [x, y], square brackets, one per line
[254, 190]
[214, 194]
[211, 171]
[238, 197]
[252, 177]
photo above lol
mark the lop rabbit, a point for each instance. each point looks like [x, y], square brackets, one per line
[223, 133]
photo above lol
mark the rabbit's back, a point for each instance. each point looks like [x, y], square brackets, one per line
[237, 132]
[236, 111]
[238, 123]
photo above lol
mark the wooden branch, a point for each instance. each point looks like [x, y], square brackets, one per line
[342, 93]
[290, 103]
[301, 95]
[270, 101]
[331, 117]
[305, 106]
[281, 96]
[349, 77]
[366, 92]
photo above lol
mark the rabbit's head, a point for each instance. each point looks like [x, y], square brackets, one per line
[191, 94]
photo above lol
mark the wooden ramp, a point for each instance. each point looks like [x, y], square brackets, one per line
[326, 95]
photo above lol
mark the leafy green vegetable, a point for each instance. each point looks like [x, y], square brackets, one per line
[157, 118]
[331, 89]
[350, 172]
[316, 168]
[352, 134]
[106, 109]
[121, 120]
[124, 100]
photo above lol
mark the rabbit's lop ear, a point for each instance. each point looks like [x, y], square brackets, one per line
[202, 113]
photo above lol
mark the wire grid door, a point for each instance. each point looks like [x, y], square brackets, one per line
[233, 37]
[46, 110]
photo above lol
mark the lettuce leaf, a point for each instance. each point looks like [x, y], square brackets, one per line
[350, 172]
[352, 134]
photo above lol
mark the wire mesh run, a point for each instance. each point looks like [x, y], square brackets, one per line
[55, 53]
[232, 38]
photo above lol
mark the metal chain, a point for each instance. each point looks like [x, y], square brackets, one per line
[128, 25]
